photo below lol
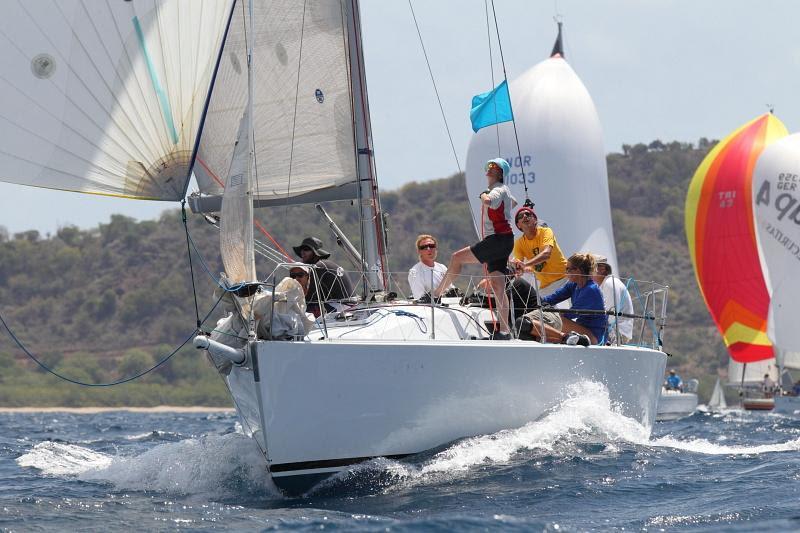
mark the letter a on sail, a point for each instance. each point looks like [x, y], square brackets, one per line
[722, 240]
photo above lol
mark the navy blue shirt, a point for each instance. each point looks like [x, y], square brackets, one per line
[587, 297]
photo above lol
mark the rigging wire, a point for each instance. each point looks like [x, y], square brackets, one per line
[528, 202]
[435, 89]
[294, 118]
[439, 100]
[491, 68]
[189, 255]
[119, 381]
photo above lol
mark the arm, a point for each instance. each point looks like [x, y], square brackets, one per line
[541, 257]
[560, 295]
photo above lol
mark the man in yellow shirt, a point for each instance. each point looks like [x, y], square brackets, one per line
[536, 252]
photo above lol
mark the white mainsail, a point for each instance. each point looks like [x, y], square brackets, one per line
[303, 117]
[753, 372]
[563, 158]
[776, 207]
[105, 97]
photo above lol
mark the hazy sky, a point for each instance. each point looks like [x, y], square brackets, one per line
[669, 70]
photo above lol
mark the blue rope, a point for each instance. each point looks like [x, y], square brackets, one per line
[118, 382]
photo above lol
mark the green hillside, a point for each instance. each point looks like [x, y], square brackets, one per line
[101, 304]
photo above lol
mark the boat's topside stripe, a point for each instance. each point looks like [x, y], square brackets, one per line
[327, 463]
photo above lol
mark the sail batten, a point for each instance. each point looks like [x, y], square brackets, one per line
[105, 100]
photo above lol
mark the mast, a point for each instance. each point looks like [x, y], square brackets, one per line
[373, 242]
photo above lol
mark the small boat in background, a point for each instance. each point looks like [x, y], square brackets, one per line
[717, 401]
[677, 404]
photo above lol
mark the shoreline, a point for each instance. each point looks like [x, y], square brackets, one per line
[97, 410]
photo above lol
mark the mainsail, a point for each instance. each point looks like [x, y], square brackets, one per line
[562, 157]
[776, 206]
[106, 97]
[722, 241]
[303, 117]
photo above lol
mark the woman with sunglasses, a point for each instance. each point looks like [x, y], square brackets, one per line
[496, 243]
[570, 328]
[427, 274]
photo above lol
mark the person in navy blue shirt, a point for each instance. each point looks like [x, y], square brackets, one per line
[585, 295]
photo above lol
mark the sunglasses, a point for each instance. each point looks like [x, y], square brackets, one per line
[295, 275]
[572, 269]
[525, 216]
[428, 247]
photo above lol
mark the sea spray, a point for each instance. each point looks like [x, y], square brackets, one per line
[221, 465]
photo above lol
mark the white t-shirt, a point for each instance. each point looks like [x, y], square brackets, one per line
[611, 285]
[423, 278]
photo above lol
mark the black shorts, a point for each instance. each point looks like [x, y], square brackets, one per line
[494, 251]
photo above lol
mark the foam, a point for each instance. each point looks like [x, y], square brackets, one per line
[218, 465]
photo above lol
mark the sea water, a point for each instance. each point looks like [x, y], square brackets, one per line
[582, 467]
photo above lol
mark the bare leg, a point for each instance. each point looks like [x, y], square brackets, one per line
[460, 258]
[498, 281]
[550, 333]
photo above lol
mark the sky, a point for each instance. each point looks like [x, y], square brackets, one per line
[667, 69]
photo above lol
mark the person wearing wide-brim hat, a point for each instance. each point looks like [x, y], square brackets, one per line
[333, 282]
[311, 244]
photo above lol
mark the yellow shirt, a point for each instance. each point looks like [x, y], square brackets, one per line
[551, 270]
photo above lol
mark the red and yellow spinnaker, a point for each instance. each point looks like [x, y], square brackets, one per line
[722, 240]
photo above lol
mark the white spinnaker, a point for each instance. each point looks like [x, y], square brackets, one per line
[754, 373]
[562, 146]
[105, 97]
[776, 207]
[303, 123]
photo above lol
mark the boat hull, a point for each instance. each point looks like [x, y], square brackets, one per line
[787, 405]
[673, 405]
[758, 404]
[327, 405]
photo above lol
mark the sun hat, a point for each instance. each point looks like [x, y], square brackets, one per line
[315, 245]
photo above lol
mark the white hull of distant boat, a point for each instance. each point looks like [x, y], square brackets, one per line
[673, 405]
[787, 405]
[316, 407]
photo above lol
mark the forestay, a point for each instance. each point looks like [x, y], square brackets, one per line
[776, 206]
[563, 157]
[105, 97]
[303, 117]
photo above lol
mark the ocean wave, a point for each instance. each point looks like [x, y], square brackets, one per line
[222, 465]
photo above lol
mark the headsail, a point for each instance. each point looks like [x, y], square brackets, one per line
[776, 206]
[563, 157]
[722, 241]
[105, 98]
[303, 117]
[717, 400]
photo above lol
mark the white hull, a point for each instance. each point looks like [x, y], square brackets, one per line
[673, 405]
[787, 405]
[324, 406]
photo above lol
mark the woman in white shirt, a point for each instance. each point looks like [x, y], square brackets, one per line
[427, 274]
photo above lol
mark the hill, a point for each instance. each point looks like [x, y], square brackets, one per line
[102, 304]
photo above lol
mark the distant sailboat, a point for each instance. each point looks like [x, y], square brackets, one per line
[776, 206]
[717, 401]
[722, 241]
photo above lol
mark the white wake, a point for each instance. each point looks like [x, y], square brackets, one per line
[219, 465]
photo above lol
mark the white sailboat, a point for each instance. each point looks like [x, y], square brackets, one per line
[717, 401]
[776, 208]
[279, 113]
